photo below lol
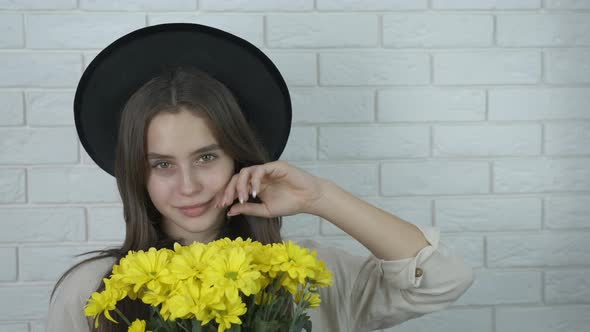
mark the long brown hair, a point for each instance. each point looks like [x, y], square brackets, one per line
[174, 90]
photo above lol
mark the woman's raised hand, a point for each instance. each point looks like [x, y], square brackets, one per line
[283, 190]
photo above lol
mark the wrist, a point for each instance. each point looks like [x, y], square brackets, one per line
[320, 200]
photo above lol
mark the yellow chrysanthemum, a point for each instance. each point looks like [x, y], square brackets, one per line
[313, 299]
[227, 243]
[232, 271]
[190, 298]
[229, 314]
[103, 302]
[298, 262]
[138, 325]
[323, 276]
[145, 269]
[261, 256]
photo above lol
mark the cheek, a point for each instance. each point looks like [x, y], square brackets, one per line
[159, 191]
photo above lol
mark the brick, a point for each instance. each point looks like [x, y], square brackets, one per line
[38, 146]
[491, 214]
[543, 319]
[470, 247]
[12, 185]
[567, 138]
[328, 30]
[360, 5]
[567, 286]
[141, 5]
[373, 142]
[449, 320]
[538, 249]
[42, 224]
[256, 5]
[300, 225]
[541, 175]
[543, 29]
[12, 110]
[32, 261]
[79, 30]
[358, 178]
[567, 212]
[75, 184]
[38, 326]
[8, 263]
[328, 105]
[487, 140]
[487, 67]
[106, 224]
[421, 105]
[567, 4]
[37, 4]
[302, 144]
[539, 104]
[249, 27]
[563, 66]
[518, 287]
[48, 108]
[11, 26]
[486, 4]
[434, 178]
[14, 327]
[297, 68]
[23, 302]
[39, 69]
[437, 30]
[374, 68]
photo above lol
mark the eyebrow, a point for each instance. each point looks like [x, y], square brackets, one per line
[207, 148]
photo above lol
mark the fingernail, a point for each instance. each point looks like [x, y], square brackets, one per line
[241, 200]
[254, 193]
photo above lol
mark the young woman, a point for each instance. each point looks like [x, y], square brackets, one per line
[195, 149]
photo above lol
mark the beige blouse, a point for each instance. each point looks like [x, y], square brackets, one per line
[368, 293]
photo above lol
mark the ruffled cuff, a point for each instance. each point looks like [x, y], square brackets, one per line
[408, 272]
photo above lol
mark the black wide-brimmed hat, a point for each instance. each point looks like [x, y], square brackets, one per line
[125, 65]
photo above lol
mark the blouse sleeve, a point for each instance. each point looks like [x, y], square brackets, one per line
[369, 293]
[385, 293]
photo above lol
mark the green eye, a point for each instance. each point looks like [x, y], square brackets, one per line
[210, 154]
[160, 163]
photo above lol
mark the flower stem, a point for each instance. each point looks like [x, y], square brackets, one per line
[122, 316]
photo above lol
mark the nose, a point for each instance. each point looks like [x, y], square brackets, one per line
[188, 182]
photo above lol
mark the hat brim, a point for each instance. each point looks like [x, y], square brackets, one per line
[132, 60]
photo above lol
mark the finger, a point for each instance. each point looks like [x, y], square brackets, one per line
[251, 209]
[230, 191]
[256, 179]
[242, 185]
[219, 197]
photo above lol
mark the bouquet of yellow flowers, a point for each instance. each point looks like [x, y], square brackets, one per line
[224, 285]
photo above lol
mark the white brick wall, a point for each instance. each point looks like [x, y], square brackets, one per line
[470, 115]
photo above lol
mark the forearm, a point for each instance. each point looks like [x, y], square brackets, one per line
[385, 235]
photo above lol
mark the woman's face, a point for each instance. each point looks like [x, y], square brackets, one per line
[180, 176]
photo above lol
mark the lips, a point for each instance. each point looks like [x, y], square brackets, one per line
[194, 206]
[195, 210]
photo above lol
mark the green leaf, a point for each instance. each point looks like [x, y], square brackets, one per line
[302, 323]
[196, 326]
[265, 325]
[235, 328]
